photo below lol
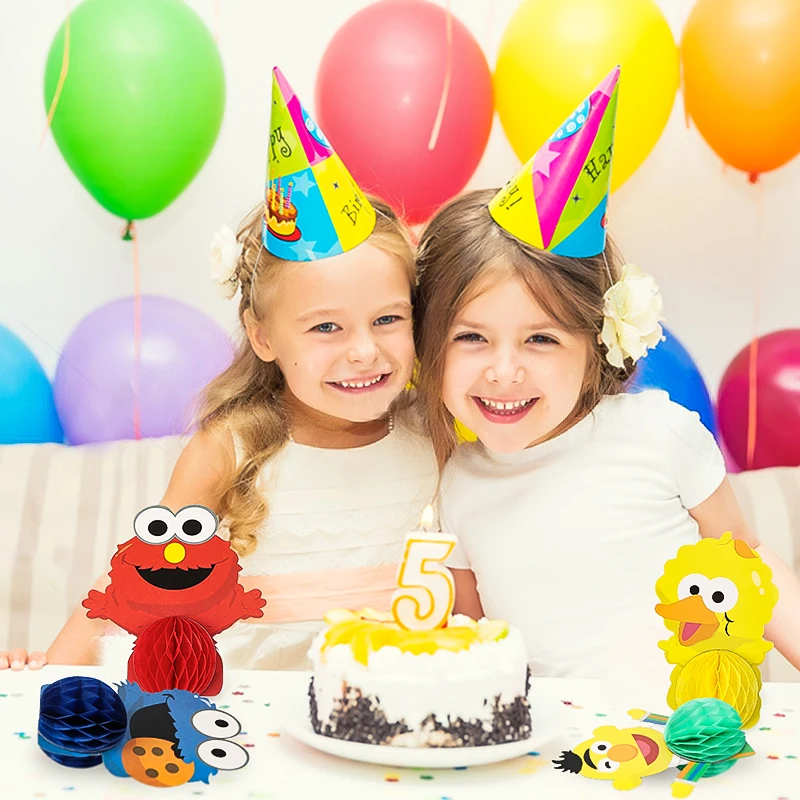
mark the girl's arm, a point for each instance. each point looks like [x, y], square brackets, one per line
[468, 602]
[721, 513]
[195, 480]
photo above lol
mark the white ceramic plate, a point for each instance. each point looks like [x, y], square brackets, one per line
[544, 715]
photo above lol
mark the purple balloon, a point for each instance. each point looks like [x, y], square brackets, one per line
[181, 351]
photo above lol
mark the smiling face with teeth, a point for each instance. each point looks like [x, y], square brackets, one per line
[340, 331]
[512, 374]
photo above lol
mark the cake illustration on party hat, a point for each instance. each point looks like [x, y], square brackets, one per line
[313, 208]
[557, 201]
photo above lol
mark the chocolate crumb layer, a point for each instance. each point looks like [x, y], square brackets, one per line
[357, 718]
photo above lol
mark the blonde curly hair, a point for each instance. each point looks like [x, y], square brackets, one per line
[247, 399]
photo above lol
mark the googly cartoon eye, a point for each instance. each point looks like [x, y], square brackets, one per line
[607, 765]
[222, 754]
[720, 595]
[215, 723]
[195, 524]
[154, 524]
[600, 747]
[693, 584]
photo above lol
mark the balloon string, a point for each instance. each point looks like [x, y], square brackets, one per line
[490, 27]
[130, 234]
[217, 21]
[61, 78]
[752, 398]
[447, 74]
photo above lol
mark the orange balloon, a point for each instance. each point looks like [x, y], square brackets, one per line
[741, 70]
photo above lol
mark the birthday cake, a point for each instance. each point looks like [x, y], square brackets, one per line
[462, 685]
[280, 211]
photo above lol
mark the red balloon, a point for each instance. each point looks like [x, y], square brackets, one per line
[777, 402]
[378, 93]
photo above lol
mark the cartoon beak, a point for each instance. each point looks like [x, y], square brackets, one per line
[174, 553]
[696, 621]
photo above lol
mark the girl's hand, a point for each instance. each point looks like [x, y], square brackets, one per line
[18, 659]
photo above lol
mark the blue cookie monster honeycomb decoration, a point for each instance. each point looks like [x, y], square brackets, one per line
[160, 739]
[79, 718]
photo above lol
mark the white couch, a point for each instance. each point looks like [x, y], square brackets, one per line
[64, 509]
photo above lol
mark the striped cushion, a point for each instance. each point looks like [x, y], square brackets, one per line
[62, 512]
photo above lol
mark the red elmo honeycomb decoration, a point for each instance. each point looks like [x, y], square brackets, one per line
[179, 653]
[176, 572]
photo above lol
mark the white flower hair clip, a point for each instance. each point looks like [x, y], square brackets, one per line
[225, 253]
[632, 310]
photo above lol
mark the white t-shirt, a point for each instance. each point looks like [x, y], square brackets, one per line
[568, 538]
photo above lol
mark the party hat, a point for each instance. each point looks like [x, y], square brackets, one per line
[313, 207]
[557, 201]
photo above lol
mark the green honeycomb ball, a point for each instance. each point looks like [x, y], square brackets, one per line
[705, 730]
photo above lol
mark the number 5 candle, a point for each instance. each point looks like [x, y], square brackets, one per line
[426, 590]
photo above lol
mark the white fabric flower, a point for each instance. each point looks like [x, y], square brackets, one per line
[632, 310]
[225, 253]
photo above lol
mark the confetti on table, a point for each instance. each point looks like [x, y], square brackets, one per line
[21, 735]
[765, 729]
[274, 735]
[773, 757]
[778, 714]
[237, 694]
[426, 777]
[392, 778]
[459, 769]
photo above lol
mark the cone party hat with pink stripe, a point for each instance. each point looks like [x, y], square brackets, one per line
[557, 201]
[313, 208]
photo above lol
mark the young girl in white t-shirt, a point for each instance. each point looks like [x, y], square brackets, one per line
[575, 494]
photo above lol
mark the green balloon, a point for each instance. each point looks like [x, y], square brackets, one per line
[142, 103]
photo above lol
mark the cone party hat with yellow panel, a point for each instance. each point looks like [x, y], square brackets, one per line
[557, 201]
[313, 208]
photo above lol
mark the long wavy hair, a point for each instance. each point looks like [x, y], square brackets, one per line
[460, 251]
[248, 398]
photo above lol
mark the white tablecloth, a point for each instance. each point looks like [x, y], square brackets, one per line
[281, 768]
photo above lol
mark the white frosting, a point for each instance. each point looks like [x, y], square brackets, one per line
[410, 687]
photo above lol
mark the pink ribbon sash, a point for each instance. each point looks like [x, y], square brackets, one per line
[305, 596]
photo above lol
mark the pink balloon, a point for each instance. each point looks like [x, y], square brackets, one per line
[378, 93]
[777, 402]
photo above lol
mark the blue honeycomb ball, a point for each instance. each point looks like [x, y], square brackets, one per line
[67, 759]
[82, 716]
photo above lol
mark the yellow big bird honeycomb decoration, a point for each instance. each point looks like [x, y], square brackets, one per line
[716, 597]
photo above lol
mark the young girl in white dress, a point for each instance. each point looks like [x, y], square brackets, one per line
[306, 446]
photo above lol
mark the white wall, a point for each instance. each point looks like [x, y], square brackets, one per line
[681, 216]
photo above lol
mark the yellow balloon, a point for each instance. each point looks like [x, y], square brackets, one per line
[554, 52]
